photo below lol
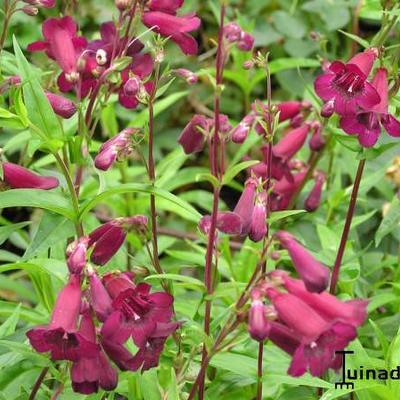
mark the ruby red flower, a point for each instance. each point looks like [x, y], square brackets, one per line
[60, 337]
[62, 45]
[161, 17]
[291, 143]
[100, 300]
[314, 274]
[193, 136]
[345, 86]
[367, 123]
[107, 239]
[258, 325]
[17, 177]
[90, 374]
[241, 131]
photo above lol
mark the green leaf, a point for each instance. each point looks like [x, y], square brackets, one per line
[149, 385]
[7, 328]
[140, 188]
[279, 215]
[141, 118]
[364, 43]
[39, 109]
[6, 231]
[10, 120]
[45, 199]
[233, 170]
[178, 278]
[390, 221]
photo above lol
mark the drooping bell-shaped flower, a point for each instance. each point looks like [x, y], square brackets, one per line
[60, 337]
[193, 136]
[90, 374]
[115, 148]
[163, 19]
[17, 177]
[367, 123]
[258, 325]
[346, 85]
[62, 45]
[314, 274]
[291, 143]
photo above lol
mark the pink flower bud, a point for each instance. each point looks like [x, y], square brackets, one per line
[314, 198]
[317, 141]
[232, 32]
[314, 274]
[192, 138]
[296, 121]
[249, 64]
[189, 76]
[62, 106]
[76, 255]
[245, 206]
[30, 10]
[288, 110]
[246, 42]
[17, 177]
[259, 325]
[123, 5]
[241, 131]
[132, 86]
[327, 109]
[100, 300]
[258, 227]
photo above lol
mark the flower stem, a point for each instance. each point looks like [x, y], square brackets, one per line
[217, 170]
[38, 383]
[347, 226]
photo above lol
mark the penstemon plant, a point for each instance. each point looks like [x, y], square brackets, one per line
[178, 221]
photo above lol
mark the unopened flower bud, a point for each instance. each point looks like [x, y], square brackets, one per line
[30, 10]
[327, 109]
[246, 42]
[249, 64]
[189, 76]
[123, 5]
[132, 86]
[232, 32]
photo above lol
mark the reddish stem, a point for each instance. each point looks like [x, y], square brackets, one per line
[38, 383]
[347, 226]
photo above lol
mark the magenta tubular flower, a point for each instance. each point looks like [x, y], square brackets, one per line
[107, 239]
[227, 222]
[162, 19]
[118, 146]
[90, 374]
[241, 131]
[62, 106]
[62, 45]
[76, 255]
[100, 300]
[258, 227]
[144, 316]
[291, 143]
[288, 110]
[245, 205]
[232, 32]
[317, 141]
[285, 188]
[17, 177]
[313, 200]
[60, 337]
[259, 326]
[346, 85]
[192, 138]
[189, 76]
[352, 312]
[314, 274]
[283, 337]
[367, 123]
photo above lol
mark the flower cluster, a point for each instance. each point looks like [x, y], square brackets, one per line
[91, 326]
[361, 105]
[86, 65]
[307, 325]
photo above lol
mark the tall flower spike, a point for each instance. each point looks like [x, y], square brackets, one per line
[367, 123]
[60, 337]
[17, 177]
[346, 85]
[314, 274]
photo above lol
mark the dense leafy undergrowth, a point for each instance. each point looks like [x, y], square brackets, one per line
[199, 199]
